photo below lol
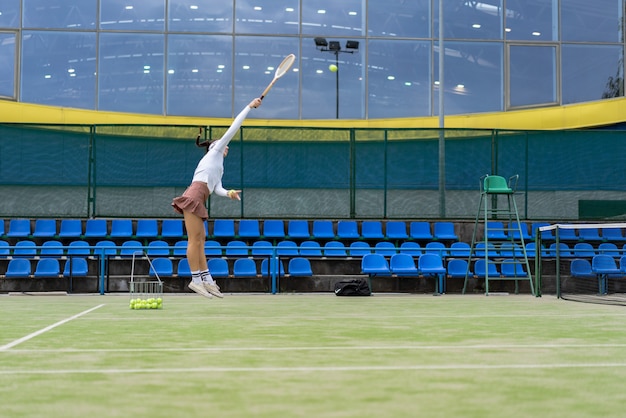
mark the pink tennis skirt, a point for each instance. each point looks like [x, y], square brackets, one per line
[193, 200]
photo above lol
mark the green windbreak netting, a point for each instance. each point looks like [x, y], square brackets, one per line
[55, 170]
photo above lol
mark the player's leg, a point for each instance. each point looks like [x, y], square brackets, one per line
[195, 251]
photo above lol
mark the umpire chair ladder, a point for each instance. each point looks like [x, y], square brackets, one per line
[494, 191]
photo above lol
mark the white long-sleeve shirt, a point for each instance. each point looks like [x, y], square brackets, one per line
[211, 167]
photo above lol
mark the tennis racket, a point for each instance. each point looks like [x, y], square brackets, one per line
[280, 71]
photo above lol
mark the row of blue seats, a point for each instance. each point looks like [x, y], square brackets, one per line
[54, 248]
[163, 267]
[235, 248]
[601, 267]
[229, 228]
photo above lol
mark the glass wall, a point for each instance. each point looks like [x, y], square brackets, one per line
[210, 57]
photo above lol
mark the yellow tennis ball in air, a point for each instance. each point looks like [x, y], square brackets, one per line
[333, 68]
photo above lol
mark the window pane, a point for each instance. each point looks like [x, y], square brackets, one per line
[532, 20]
[132, 14]
[333, 18]
[62, 14]
[199, 75]
[131, 73]
[597, 21]
[58, 68]
[7, 65]
[532, 75]
[399, 18]
[255, 64]
[320, 94]
[10, 14]
[470, 19]
[275, 16]
[472, 77]
[602, 76]
[399, 79]
[200, 16]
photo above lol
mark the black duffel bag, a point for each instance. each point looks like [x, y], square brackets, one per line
[355, 287]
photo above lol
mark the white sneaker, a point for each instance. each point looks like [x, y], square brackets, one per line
[199, 289]
[213, 289]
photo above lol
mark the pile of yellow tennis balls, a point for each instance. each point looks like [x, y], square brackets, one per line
[150, 303]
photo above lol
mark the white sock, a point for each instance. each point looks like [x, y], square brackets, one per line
[206, 277]
[196, 277]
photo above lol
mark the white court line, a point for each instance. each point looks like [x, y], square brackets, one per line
[324, 348]
[46, 329]
[407, 367]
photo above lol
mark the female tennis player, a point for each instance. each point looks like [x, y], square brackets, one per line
[207, 179]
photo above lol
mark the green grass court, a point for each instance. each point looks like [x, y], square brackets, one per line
[311, 356]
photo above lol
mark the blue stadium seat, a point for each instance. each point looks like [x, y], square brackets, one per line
[224, 228]
[403, 264]
[444, 231]
[158, 248]
[495, 230]
[131, 247]
[78, 265]
[348, 230]
[412, 248]
[335, 249]
[212, 247]
[564, 250]
[52, 248]
[19, 228]
[47, 267]
[545, 235]
[161, 267]
[589, 234]
[359, 249]
[147, 228]
[584, 249]
[107, 246]
[457, 267]
[218, 267]
[249, 229]
[612, 234]
[512, 268]
[236, 248]
[25, 248]
[244, 267]
[287, 248]
[299, 267]
[45, 228]
[375, 265]
[460, 249]
[18, 268]
[96, 228]
[273, 228]
[265, 268]
[5, 251]
[420, 230]
[510, 250]
[172, 229]
[180, 248]
[323, 230]
[436, 247]
[2, 234]
[581, 268]
[514, 231]
[310, 249]
[431, 265]
[71, 228]
[385, 248]
[182, 268]
[480, 269]
[609, 248]
[372, 230]
[298, 229]
[396, 230]
[262, 248]
[121, 229]
[479, 249]
[79, 248]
